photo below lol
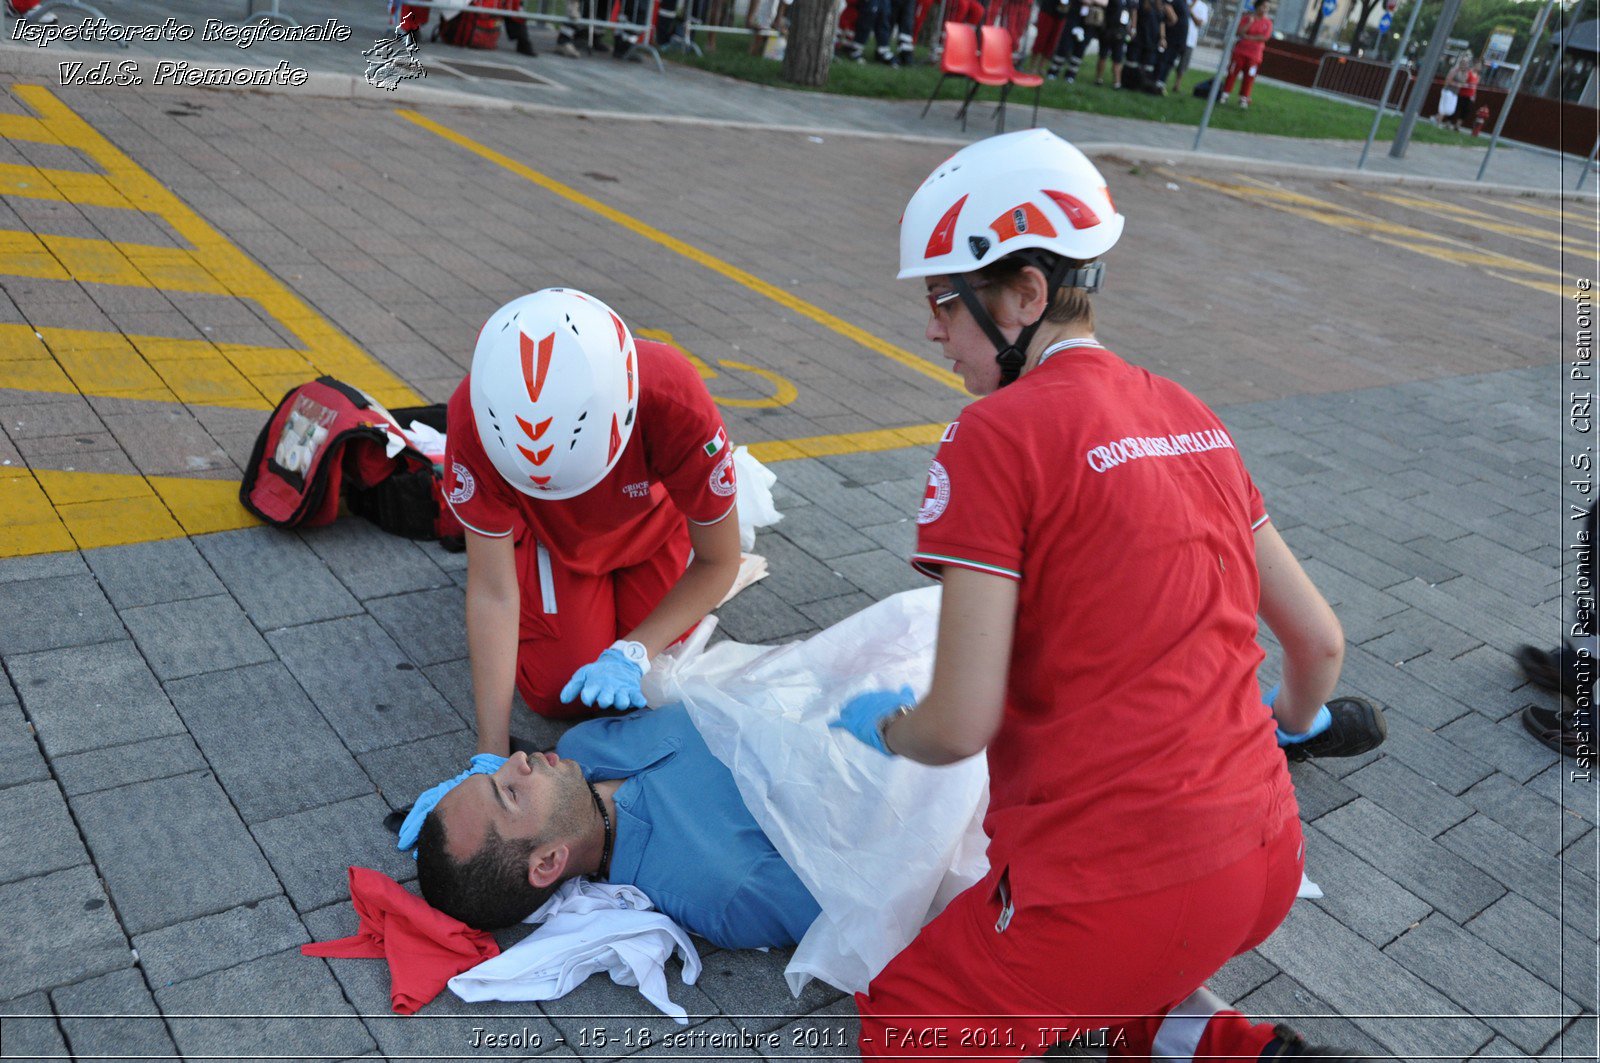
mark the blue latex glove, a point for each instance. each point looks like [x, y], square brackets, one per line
[862, 713]
[1322, 721]
[481, 764]
[611, 682]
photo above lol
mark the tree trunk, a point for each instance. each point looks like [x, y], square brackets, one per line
[810, 47]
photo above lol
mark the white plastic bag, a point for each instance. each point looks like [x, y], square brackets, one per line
[881, 843]
[754, 485]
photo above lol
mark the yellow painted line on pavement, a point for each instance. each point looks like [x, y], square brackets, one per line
[71, 186]
[1575, 213]
[32, 130]
[48, 510]
[23, 254]
[1420, 241]
[917, 435]
[1467, 216]
[783, 391]
[115, 365]
[694, 254]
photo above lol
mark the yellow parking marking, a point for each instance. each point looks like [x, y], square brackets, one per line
[104, 262]
[694, 254]
[1433, 245]
[1466, 216]
[783, 392]
[32, 130]
[917, 435]
[1580, 214]
[50, 510]
[71, 186]
[147, 367]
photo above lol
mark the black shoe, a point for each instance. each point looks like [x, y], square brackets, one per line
[1543, 667]
[1287, 1044]
[394, 820]
[524, 48]
[1557, 730]
[1358, 727]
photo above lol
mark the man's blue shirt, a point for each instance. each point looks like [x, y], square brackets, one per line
[684, 835]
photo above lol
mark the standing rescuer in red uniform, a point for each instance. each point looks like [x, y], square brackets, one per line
[1104, 556]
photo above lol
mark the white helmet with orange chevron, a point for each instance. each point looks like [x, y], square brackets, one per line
[555, 391]
[1004, 194]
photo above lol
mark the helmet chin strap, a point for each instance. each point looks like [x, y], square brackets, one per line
[1011, 355]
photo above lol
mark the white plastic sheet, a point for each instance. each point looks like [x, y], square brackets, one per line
[754, 482]
[882, 844]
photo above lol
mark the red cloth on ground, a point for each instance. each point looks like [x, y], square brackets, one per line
[425, 948]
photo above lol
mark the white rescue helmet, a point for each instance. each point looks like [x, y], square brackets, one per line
[555, 391]
[1004, 194]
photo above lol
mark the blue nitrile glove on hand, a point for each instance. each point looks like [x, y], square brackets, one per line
[1322, 721]
[611, 682]
[862, 714]
[481, 764]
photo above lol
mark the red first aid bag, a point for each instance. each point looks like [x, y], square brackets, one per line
[326, 441]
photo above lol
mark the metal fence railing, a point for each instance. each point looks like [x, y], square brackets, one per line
[1362, 79]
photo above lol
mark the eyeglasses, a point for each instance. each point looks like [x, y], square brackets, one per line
[937, 301]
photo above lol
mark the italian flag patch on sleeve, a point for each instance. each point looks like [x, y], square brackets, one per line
[718, 441]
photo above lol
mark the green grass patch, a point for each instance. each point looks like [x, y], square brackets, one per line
[1279, 111]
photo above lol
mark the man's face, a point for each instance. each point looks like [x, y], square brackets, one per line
[535, 799]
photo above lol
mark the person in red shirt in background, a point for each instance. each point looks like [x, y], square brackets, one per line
[1255, 30]
[1105, 555]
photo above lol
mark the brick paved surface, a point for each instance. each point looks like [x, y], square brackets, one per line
[200, 732]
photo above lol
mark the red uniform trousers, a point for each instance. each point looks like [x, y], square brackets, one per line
[963, 989]
[1247, 67]
[578, 615]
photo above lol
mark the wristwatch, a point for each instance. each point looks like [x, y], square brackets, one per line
[883, 724]
[635, 652]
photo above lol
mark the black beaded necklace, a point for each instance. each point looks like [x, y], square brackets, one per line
[605, 856]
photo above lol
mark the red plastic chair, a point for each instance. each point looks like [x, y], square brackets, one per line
[995, 59]
[960, 57]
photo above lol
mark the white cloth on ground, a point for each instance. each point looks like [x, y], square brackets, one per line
[587, 927]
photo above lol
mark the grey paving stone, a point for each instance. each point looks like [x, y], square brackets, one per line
[107, 769]
[276, 578]
[759, 616]
[750, 984]
[1557, 955]
[188, 950]
[371, 563]
[113, 1015]
[601, 1002]
[1532, 818]
[898, 537]
[270, 747]
[1284, 1000]
[30, 1029]
[190, 638]
[403, 772]
[1359, 981]
[1521, 867]
[1457, 887]
[1397, 691]
[1423, 804]
[1241, 975]
[1358, 894]
[1507, 747]
[57, 929]
[830, 611]
[312, 851]
[1481, 980]
[172, 849]
[352, 670]
[1584, 853]
[880, 573]
[430, 626]
[1431, 756]
[827, 1035]
[170, 570]
[37, 834]
[42, 566]
[47, 614]
[1577, 1041]
[796, 577]
[287, 984]
[845, 498]
[817, 532]
[1572, 788]
[20, 759]
[446, 1029]
[90, 697]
